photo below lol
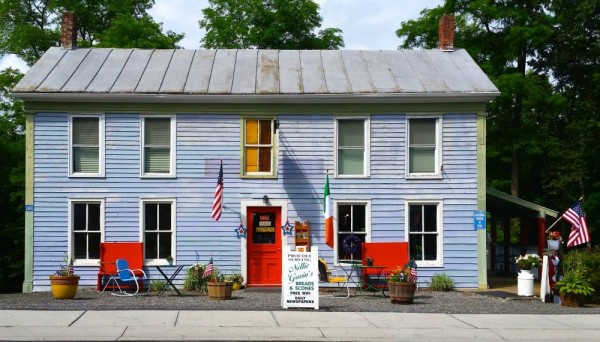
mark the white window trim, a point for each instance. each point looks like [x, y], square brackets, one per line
[101, 145]
[367, 155]
[70, 243]
[336, 203]
[438, 148]
[439, 262]
[173, 142]
[274, 151]
[173, 201]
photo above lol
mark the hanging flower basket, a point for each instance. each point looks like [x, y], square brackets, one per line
[553, 245]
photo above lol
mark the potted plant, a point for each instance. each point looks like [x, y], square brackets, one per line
[169, 260]
[217, 287]
[64, 282]
[237, 280]
[194, 278]
[573, 288]
[528, 261]
[402, 283]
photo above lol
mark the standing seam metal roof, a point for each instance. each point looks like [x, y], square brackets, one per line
[255, 72]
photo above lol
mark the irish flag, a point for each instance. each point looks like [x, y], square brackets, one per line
[327, 214]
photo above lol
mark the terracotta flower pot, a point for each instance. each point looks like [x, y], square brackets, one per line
[64, 287]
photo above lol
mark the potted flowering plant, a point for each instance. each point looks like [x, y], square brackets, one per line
[237, 280]
[573, 288]
[402, 283]
[528, 261]
[217, 286]
[554, 240]
[64, 282]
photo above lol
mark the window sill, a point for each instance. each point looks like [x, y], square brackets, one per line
[417, 177]
[86, 175]
[158, 176]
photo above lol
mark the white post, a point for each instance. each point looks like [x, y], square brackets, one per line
[545, 283]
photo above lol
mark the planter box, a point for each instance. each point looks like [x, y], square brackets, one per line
[553, 245]
[219, 290]
[402, 292]
[570, 299]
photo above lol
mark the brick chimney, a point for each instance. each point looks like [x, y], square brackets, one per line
[446, 33]
[68, 31]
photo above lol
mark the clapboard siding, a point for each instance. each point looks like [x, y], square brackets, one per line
[306, 152]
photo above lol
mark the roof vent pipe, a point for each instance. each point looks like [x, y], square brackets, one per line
[446, 33]
[68, 31]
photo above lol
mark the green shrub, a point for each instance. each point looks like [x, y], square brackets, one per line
[574, 282]
[157, 285]
[441, 282]
[194, 280]
[585, 260]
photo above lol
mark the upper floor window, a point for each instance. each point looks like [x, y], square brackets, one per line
[86, 140]
[86, 229]
[353, 228]
[352, 141]
[259, 147]
[424, 147]
[158, 146]
[158, 229]
[425, 232]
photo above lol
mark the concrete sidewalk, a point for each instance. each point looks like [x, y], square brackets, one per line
[291, 325]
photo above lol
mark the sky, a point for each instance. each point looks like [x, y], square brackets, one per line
[366, 24]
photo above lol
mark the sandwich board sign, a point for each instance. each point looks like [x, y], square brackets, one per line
[300, 281]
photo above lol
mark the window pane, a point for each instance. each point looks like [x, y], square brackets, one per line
[350, 162]
[416, 246]
[344, 218]
[264, 154]
[151, 243]
[359, 220]
[430, 247]
[80, 248]
[415, 218]
[164, 217]
[157, 159]
[165, 245]
[79, 216]
[263, 228]
[150, 222]
[421, 160]
[157, 131]
[251, 159]
[422, 131]
[94, 216]
[85, 159]
[85, 131]
[265, 132]
[252, 132]
[430, 218]
[351, 133]
[349, 251]
[94, 245]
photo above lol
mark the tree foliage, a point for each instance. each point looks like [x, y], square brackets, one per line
[266, 24]
[543, 130]
[30, 27]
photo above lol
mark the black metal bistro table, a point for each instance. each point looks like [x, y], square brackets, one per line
[169, 279]
[377, 283]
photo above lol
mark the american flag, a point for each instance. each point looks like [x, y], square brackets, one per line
[209, 269]
[579, 232]
[412, 277]
[218, 201]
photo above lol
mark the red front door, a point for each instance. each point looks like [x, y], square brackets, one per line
[264, 246]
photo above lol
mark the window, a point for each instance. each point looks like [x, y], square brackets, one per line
[353, 228]
[259, 147]
[424, 232]
[424, 147]
[87, 227]
[352, 155]
[158, 146]
[158, 229]
[86, 140]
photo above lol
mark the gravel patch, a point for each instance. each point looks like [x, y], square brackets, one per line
[456, 302]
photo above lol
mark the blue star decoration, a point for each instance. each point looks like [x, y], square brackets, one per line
[287, 228]
[240, 231]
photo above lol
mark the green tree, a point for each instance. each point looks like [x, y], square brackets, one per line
[30, 27]
[266, 24]
[12, 185]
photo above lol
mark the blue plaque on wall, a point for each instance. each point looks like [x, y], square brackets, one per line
[479, 220]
